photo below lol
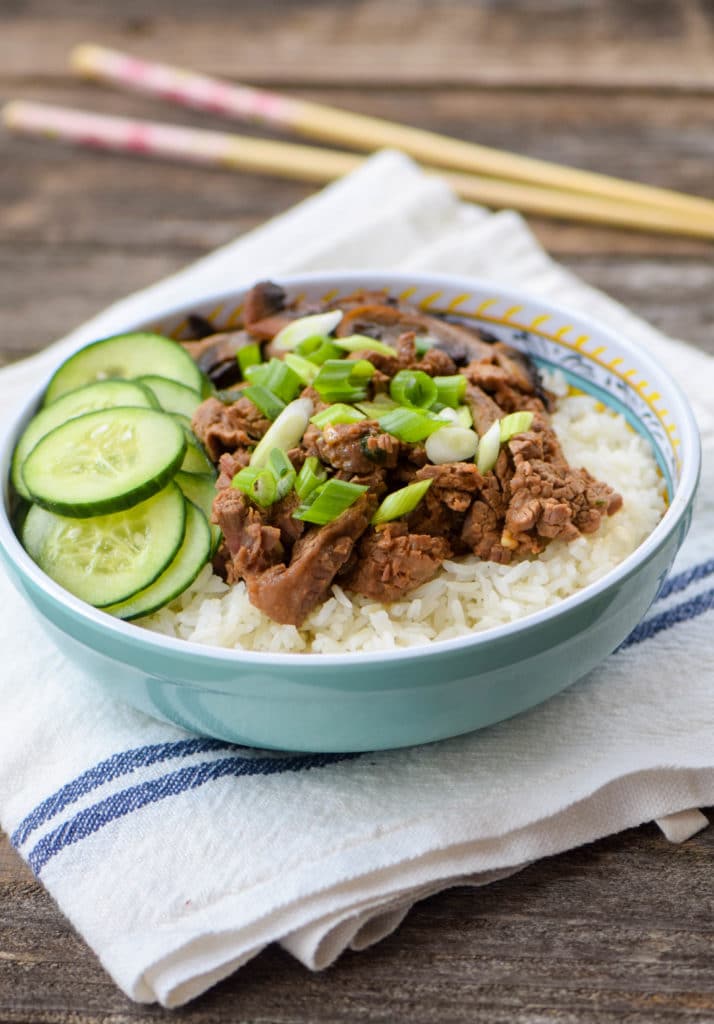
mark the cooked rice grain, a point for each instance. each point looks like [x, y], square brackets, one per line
[468, 595]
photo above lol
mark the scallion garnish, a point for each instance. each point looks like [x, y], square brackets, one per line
[423, 343]
[269, 404]
[363, 343]
[401, 503]
[283, 470]
[319, 350]
[464, 414]
[318, 325]
[337, 413]
[451, 390]
[259, 485]
[329, 501]
[413, 388]
[378, 406]
[306, 370]
[515, 423]
[488, 448]
[409, 424]
[285, 433]
[343, 380]
[311, 476]
[452, 444]
[277, 376]
[458, 417]
[249, 355]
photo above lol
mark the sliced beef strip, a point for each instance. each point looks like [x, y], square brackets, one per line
[454, 482]
[288, 593]
[510, 379]
[392, 561]
[484, 410]
[229, 464]
[252, 543]
[356, 448]
[224, 428]
[482, 529]
[482, 532]
[550, 498]
[436, 363]
[441, 511]
[387, 323]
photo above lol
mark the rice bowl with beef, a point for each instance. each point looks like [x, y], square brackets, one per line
[469, 594]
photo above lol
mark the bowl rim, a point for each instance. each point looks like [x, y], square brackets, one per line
[138, 637]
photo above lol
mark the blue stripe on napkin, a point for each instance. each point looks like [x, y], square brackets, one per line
[672, 617]
[91, 820]
[681, 581]
[113, 768]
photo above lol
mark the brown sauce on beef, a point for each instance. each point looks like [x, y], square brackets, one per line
[531, 496]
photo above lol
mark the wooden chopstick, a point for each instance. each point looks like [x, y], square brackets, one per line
[310, 163]
[357, 131]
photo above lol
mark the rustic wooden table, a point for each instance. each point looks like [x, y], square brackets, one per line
[619, 931]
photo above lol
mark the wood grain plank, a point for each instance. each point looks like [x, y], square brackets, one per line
[619, 930]
[571, 43]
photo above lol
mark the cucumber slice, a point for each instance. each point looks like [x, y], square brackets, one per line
[181, 572]
[104, 461]
[106, 559]
[196, 459]
[125, 356]
[172, 397]
[103, 395]
[200, 488]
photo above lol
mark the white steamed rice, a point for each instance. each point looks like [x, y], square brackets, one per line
[468, 595]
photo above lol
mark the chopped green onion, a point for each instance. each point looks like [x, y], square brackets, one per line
[452, 444]
[451, 390]
[342, 380]
[285, 433]
[277, 376]
[330, 501]
[409, 424]
[464, 414]
[458, 417]
[259, 484]
[363, 343]
[249, 355]
[488, 448]
[449, 416]
[283, 470]
[319, 350]
[423, 343]
[269, 404]
[337, 413]
[316, 326]
[378, 406]
[310, 477]
[306, 370]
[401, 503]
[515, 423]
[413, 388]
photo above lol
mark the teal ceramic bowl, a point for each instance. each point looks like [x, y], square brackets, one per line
[370, 701]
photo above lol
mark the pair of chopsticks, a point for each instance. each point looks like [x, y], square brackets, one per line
[475, 172]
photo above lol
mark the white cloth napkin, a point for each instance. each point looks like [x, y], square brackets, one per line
[178, 859]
